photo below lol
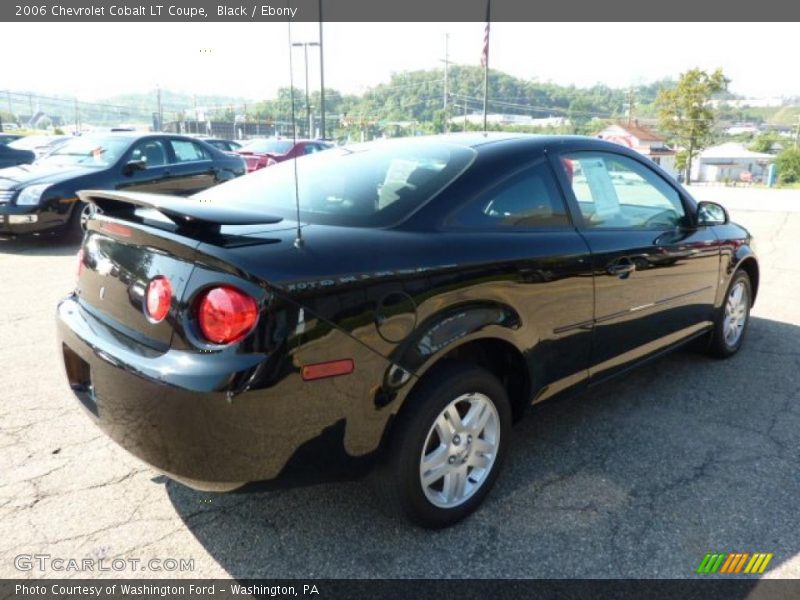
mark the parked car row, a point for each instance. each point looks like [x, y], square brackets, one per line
[23, 150]
[41, 175]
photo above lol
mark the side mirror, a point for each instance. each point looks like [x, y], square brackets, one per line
[134, 165]
[711, 213]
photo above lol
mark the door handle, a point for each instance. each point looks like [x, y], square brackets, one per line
[622, 270]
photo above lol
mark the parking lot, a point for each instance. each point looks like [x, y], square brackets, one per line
[638, 478]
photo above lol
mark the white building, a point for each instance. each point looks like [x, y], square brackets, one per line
[730, 162]
[502, 119]
[644, 141]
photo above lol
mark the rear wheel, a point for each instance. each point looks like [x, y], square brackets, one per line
[448, 446]
[732, 319]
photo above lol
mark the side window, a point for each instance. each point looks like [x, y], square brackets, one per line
[526, 200]
[152, 152]
[187, 151]
[615, 191]
[310, 149]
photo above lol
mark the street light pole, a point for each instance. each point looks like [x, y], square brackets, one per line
[321, 80]
[305, 46]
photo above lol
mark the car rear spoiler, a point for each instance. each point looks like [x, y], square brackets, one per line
[191, 213]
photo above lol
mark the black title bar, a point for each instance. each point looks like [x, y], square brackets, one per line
[396, 11]
[699, 588]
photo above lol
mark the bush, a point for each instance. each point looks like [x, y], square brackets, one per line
[788, 164]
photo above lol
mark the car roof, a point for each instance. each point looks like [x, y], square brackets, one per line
[529, 143]
[478, 139]
[137, 135]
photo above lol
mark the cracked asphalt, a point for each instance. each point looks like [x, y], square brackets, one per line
[638, 478]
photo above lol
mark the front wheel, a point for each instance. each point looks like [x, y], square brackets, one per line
[85, 213]
[449, 445]
[731, 322]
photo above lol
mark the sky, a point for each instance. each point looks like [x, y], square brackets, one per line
[98, 60]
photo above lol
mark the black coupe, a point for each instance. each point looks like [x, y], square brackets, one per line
[44, 196]
[395, 304]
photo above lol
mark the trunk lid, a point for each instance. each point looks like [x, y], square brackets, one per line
[117, 263]
[138, 237]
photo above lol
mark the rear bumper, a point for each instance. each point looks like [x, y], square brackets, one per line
[178, 412]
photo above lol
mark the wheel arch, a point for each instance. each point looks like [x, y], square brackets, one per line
[497, 355]
[749, 265]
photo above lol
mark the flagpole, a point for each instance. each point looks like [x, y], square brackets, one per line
[486, 65]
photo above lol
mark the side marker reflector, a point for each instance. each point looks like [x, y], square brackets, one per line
[333, 368]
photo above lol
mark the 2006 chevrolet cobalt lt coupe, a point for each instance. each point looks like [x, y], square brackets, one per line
[397, 303]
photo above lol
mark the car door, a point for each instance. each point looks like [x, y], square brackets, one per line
[655, 274]
[541, 265]
[146, 168]
[193, 167]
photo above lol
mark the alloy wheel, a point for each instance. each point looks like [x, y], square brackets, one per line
[460, 450]
[735, 313]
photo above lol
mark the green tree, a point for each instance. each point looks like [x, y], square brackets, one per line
[685, 111]
[579, 114]
[788, 164]
[764, 142]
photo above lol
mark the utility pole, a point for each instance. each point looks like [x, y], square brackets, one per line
[308, 104]
[158, 109]
[797, 134]
[305, 46]
[446, 62]
[465, 115]
[486, 64]
[321, 80]
[630, 105]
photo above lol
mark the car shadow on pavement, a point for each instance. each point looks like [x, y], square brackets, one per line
[637, 477]
[45, 245]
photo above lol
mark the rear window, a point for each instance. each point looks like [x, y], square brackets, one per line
[370, 185]
[268, 146]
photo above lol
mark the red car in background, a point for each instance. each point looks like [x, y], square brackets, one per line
[262, 153]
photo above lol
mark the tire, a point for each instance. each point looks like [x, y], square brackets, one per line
[732, 318]
[83, 212]
[461, 463]
[72, 230]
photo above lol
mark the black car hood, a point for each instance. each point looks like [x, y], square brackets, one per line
[23, 175]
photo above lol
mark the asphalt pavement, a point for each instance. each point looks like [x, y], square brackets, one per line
[640, 477]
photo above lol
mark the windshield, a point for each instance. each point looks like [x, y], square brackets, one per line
[88, 152]
[32, 142]
[369, 185]
[268, 146]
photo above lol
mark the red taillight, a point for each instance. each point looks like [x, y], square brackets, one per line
[116, 229]
[225, 314]
[158, 298]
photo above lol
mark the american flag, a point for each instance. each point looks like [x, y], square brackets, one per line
[485, 53]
